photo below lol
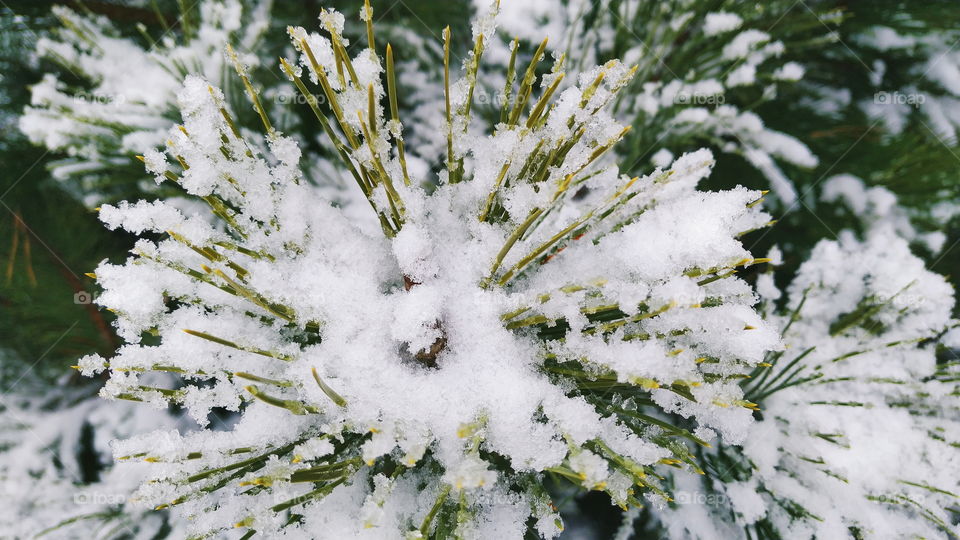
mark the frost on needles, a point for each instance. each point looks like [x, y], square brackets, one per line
[858, 417]
[418, 374]
[703, 69]
[117, 95]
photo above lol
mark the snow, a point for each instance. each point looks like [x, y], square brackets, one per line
[791, 71]
[438, 346]
[842, 445]
[671, 103]
[434, 290]
[662, 158]
[721, 22]
[63, 119]
[745, 43]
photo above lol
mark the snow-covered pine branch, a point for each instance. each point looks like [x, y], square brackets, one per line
[116, 96]
[703, 70]
[57, 471]
[526, 314]
[859, 418]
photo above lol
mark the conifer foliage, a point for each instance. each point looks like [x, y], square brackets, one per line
[336, 341]
[456, 285]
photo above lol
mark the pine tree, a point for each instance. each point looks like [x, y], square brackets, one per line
[443, 290]
[481, 285]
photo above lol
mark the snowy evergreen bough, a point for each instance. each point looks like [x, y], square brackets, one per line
[116, 96]
[56, 466]
[903, 93]
[528, 313]
[858, 421]
[704, 68]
